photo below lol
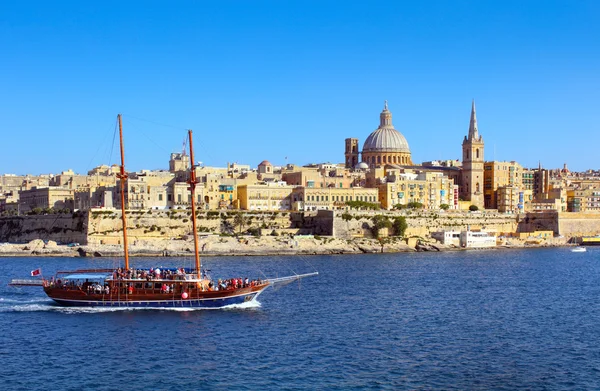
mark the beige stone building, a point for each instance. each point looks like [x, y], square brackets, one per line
[146, 190]
[499, 174]
[274, 196]
[321, 176]
[583, 200]
[330, 198]
[507, 199]
[402, 186]
[45, 197]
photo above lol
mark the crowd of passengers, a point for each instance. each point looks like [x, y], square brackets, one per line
[97, 288]
[152, 274]
[234, 283]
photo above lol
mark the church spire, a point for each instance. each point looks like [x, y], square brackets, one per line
[473, 131]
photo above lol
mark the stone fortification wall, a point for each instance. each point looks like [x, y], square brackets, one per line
[538, 221]
[61, 228]
[564, 223]
[421, 223]
[105, 227]
[578, 224]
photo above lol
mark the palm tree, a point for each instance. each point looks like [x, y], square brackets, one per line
[240, 220]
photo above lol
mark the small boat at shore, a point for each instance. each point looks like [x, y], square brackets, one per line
[578, 249]
[154, 287]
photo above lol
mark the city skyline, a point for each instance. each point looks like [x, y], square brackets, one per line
[271, 81]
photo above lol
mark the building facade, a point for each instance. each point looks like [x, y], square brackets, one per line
[330, 198]
[500, 174]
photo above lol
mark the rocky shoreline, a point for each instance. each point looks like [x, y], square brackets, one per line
[249, 246]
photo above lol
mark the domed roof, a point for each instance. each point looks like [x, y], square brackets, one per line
[265, 163]
[361, 166]
[386, 138]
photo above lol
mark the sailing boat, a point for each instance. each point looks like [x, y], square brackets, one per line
[154, 288]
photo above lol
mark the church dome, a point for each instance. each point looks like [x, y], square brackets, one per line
[386, 138]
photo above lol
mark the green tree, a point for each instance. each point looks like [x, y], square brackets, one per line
[415, 205]
[473, 208]
[400, 225]
[380, 222]
[362, 205]
[444, 206]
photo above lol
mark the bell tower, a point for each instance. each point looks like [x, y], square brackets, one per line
[351, 152]
[472, 164]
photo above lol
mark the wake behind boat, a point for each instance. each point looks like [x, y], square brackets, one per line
[152, 288]
[578, 249]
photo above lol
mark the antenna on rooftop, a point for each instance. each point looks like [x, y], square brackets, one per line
[184, 146]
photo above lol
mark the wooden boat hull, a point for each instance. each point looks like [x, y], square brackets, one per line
[211, 299]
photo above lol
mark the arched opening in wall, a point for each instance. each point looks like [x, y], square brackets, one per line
[477, 187]
[378, 159]
[384, 159]
[477, 153]
[467, 155]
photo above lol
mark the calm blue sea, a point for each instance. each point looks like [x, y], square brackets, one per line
[480, 320]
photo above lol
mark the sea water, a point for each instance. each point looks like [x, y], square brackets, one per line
[514, 319]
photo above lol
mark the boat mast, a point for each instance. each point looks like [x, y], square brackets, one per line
[122, 179]
[192, 182]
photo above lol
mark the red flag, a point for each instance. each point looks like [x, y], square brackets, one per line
[36, 272]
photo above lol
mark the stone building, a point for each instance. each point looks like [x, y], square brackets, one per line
[322, 175]
[46, 197]
[498, 174]
[330, 198]
[400, 186]
[273, 196]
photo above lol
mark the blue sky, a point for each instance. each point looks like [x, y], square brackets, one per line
[268, 80]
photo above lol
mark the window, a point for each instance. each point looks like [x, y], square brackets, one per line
[160, 197]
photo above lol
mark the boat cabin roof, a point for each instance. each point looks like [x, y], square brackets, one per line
[86, 276]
